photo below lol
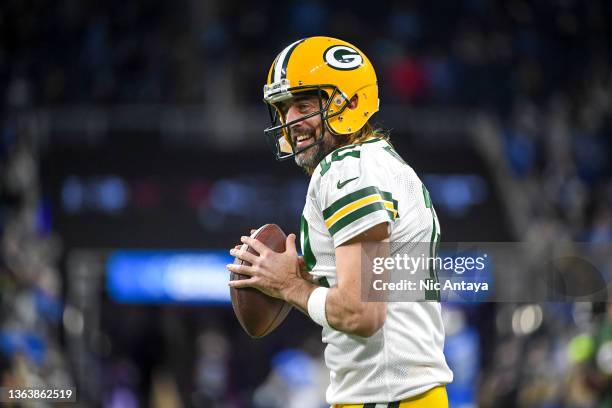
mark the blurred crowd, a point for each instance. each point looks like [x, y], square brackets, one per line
[489, 54]
[558, 150]
[559, 154]
[542, 68]
[31, 353]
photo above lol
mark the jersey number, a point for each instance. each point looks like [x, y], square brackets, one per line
[337, 155]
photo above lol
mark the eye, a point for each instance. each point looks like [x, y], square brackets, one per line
[304, 106]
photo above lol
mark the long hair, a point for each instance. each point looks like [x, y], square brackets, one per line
[367, 132]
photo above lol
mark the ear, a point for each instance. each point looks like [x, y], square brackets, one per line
[354, 102]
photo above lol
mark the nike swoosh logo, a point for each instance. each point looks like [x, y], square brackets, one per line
[343, 183]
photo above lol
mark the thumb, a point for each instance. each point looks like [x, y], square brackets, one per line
[290, 244]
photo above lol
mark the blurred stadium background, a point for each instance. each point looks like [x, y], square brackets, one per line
[132, 158]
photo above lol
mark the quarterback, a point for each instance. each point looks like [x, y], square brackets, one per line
[321, 93]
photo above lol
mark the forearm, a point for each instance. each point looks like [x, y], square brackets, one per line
[299, 293]
[342, 308]
[347, 313]
[344, 312]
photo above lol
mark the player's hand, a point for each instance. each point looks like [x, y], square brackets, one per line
[304, 273]
[301, 263]
[273, 273]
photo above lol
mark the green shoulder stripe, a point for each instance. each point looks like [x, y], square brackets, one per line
[349, 198]
[357, 214]
[356, 205]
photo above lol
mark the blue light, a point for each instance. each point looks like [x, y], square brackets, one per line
[111, 194]
[72, 194]
[169, 277]
[456, 193]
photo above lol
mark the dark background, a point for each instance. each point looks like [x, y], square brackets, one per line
[139, 125]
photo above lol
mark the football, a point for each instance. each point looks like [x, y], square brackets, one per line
[258, 313]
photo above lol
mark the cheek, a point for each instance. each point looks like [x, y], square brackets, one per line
[314, 124]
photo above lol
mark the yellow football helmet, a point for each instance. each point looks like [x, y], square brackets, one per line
[334, 69]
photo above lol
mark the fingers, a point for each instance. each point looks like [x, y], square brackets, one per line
[290, 244]
[244, 255]
[243, 283]
[241, 269]
[258, 246]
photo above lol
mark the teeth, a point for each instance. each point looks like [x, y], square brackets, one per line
[302, 138]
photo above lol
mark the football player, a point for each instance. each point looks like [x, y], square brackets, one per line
[321, 93]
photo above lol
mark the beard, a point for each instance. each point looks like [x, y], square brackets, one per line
[312, 156]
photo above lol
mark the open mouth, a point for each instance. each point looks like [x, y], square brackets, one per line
[303, 141]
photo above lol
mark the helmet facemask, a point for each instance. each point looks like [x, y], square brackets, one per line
[278, 135]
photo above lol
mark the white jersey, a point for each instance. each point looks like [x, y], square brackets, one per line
[353, 189]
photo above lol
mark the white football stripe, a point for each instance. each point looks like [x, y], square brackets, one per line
[278, 68]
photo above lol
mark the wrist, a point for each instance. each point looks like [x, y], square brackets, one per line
[317, 306]
[298, 294]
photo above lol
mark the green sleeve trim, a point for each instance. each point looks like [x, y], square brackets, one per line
[349, 198]
[357, 214]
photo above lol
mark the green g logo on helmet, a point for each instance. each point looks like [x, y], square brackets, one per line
[342, 57]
